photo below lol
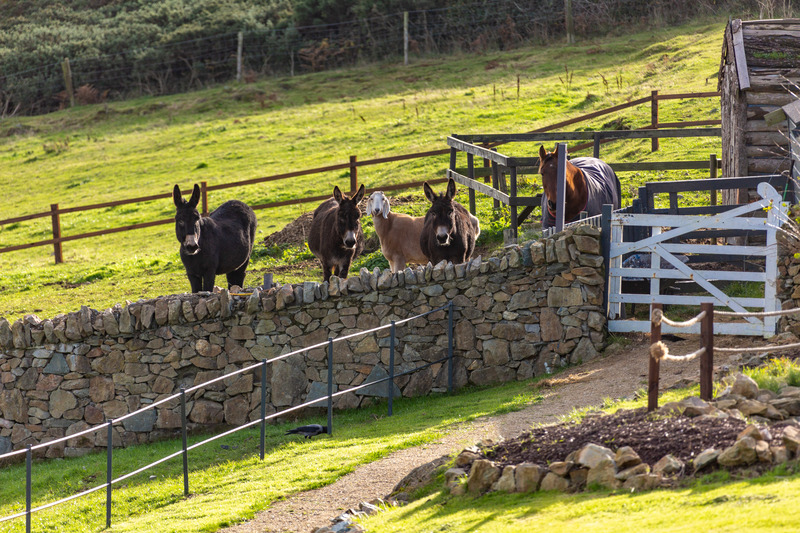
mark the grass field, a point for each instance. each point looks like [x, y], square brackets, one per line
[142, 147]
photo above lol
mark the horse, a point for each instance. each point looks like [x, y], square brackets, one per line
[220, 243]
[590, 183]
[449, 231]
[335, 236]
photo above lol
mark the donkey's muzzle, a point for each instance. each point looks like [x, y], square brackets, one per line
[190, 245]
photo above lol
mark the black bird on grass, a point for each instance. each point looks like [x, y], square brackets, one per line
[308, 431]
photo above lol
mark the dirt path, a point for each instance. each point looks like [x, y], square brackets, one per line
[619, 373]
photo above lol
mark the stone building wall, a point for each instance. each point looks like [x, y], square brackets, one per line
[535, 308]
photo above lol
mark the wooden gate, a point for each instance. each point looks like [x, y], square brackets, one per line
[667, 261]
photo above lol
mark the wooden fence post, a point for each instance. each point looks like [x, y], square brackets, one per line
[712, 173]
[568, 21]
[239, 46]
[654, 119]
[204, 196]
[65, 68]
[654, 367]
[353, 175]
[57, 252]
[405, 37]
[707, 359]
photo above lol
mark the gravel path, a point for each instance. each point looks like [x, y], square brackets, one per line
[619, 373]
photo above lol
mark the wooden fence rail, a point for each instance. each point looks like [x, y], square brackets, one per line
[352, 165]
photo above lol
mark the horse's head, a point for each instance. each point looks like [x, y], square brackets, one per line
[548, 168]
[187, 220]
[347, 216]
[576, 192]
[441, 215]
[378, 205]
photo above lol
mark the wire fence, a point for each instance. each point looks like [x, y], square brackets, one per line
[119, 72]
[262, 419]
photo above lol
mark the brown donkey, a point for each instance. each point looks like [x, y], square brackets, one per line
[335, 236]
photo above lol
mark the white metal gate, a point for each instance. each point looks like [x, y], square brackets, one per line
[667, 227]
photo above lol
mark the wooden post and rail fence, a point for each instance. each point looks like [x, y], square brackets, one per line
[488, 171]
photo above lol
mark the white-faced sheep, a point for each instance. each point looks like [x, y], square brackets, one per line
[399, 233]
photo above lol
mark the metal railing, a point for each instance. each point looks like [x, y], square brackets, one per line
[262, 419]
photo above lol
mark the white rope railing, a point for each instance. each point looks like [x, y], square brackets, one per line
[660, 352]
[658, 318]
[759, 348]
[758, 313]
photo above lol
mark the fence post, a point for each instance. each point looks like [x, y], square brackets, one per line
[450, 347]
[568, 21]
[605, 250]
[57, 251]
[405, 37]
[109, 452]
[204, 197]
[513, 208]
[353, 175]
[239, 56]
[712, 173]
[471, 175]
[330, 385]
[654, 119]
[391, 367]
[28, 479]
[561, 182]
[65, 68]
[596, 145]
[707, 359]
[654, 367]
[263, 407]
[183, 437]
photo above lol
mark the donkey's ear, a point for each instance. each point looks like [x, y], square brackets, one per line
[176, 196]
[542, 153]
[451, 189]
[429, 194]
[195, 199]
[337, 194]
[360, 194]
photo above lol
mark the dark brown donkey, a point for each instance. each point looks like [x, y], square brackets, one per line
[449, 231]
[590, 183]
[335, 236]
[220, 243]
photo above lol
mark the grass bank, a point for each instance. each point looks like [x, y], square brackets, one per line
[101, 153]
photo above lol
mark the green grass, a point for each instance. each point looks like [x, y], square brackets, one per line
[776, 373]
[231, 484]
[766, 504]
[101, 153]
[719, 502]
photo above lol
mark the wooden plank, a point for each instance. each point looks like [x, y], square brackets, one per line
[739, 56]
[700, 222]
[768, 166]
[583, 136]
[663, 273]
[682, 300]
[720, 328]
[478, 186]
[769, 98]
[466, 146]
[776, 181]
[764, 138]
[756, 125]
[768, 151]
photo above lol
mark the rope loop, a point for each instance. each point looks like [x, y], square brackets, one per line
[658, 318]
[659, 351]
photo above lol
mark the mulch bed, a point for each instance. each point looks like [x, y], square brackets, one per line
[650, 435]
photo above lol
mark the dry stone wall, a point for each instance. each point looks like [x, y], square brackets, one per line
[533, 309]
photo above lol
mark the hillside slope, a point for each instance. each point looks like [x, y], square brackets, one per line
[101, 153]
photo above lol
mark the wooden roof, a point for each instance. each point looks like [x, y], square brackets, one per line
[765, 53]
